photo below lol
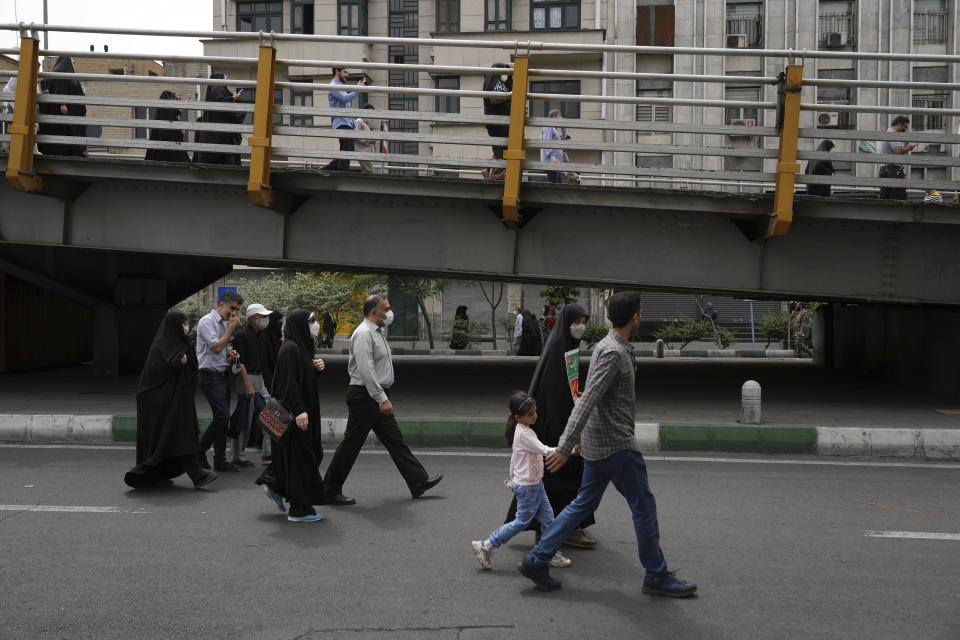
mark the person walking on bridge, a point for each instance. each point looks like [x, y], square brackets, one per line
[342, 100]
[370, 367]
[900, 124]
[602, 423]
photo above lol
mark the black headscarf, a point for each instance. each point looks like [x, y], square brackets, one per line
[531, 338]
[218, 92]
[168, 347]
[64, 86]
[163, 113]
[493, 82]
[294, 386]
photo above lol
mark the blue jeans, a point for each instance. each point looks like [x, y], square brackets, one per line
[532, 502]
[628, 472]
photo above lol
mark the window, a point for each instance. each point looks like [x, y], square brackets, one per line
[448, 16]
[116, 72]
[647, 161]
[927, 122]
[837, 25]
[302, 18]
[260, 16]
[140, 113]
[826, 118]
[656, 26]
[654, 112]
[741, 94]
[249, 96]
[447, 104]
[930, 22]
[301, 99]
[497, 15]
[744, 25]
[554, 14]
[352, 17]
[540, 108]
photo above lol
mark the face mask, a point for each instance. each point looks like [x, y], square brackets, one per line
[186, 328]
[263, 323]
[577, 330]
[389, 319]
[314, 329]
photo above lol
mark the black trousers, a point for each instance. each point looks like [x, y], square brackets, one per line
[498, 131]
[363, 416]
[216, 389]
[892, 193]
[346, 144]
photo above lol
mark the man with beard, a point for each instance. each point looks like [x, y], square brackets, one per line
[602, 423]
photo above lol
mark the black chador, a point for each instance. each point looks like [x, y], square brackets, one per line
[64, 87]
[167, 135]
[295, 470]
[551, 390]
[218, 94]
[167, 429]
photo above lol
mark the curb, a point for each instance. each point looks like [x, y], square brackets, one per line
[930, 444]
[638, 353]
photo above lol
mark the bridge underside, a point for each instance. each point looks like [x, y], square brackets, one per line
[846, 250]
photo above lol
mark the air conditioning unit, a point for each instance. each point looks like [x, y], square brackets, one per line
[736, 41]
[837, 39]
[744, 122]
[828, 119]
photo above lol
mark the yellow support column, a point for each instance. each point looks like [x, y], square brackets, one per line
[20, 173]
[787, 166]
[258, 186]
[514, 153]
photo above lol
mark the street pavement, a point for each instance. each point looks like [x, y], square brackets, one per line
[681, 391]
[779, 547]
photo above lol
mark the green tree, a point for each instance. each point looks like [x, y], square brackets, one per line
[594, 334]
[421, 289]
[493, 299]
[559, 295]
[685, 332]
[773, 326]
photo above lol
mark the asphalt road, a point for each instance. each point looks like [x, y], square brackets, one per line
[778, 547]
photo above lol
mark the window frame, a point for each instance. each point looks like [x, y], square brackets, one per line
[831, 22]
[926, 122]
[506, 20]
[656, 111]
[925, 15]
[269, 14]
[446, 104]
[297, 120]
[363, 17]
[303, 5]
[569, 110]
[439, 27]
[546, 6]
[758, 43]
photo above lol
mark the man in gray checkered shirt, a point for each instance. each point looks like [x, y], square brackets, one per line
[602, 422]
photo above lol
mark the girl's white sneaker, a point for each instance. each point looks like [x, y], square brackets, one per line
[560, 561]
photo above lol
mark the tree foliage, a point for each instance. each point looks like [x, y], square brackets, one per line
[773, 326]
[594, 334]
[684, 332]
[560, 295]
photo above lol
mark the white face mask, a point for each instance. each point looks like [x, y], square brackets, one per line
[263, 323]
[314, 328]
[186, 328]
[389, 319]
[504, 77]
[577, 330]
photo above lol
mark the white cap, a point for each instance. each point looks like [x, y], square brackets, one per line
[255, 309]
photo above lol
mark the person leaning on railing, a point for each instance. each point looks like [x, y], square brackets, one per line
[556, 155]
[342, 100]
[899, 125]
[167, 135]
[497, 106]
[68, 87]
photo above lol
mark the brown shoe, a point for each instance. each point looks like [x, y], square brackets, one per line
[580, 539]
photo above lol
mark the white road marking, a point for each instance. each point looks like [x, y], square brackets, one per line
[916, 535]
[506, 454]
[66, 509]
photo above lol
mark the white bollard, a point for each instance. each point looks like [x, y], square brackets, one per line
[750, 403]
[659, 347]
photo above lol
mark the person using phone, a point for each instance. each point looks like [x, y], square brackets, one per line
[342, 100]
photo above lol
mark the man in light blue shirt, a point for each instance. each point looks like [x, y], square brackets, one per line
[342, 100]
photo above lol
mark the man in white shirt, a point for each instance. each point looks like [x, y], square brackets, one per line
[900, 124]
[369, 408]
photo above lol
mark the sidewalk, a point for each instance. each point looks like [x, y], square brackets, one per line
[687, 404]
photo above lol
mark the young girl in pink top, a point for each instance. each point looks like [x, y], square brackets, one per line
[526, 477]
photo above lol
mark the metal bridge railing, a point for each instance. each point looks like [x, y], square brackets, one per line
[710, 150]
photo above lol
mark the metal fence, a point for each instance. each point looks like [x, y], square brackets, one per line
[707, 149]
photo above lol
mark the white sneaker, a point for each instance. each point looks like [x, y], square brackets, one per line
[483, 554]
[560, 561]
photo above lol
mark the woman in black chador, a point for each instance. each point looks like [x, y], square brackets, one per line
[551, 390]
[167, 135]
[531, 338]
[460, 333]
[61, 86]
[167, 430]
[294, 474]
[219, 94]
[820, 168]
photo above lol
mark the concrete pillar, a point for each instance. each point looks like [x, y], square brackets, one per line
[750, 403]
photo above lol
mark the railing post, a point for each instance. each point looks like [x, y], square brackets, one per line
[787, 166]
[258, 186]
[514, 154]
[20, 173]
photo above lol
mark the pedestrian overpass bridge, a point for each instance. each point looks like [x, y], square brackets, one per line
[727, 216]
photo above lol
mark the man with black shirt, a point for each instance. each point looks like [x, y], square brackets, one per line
[258, 345]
